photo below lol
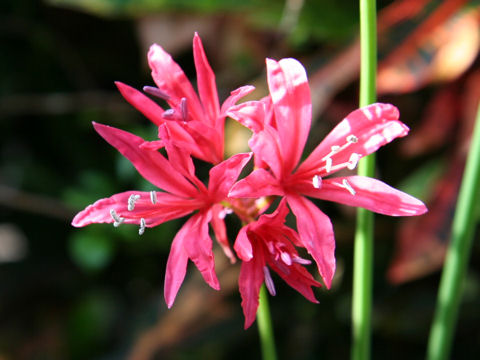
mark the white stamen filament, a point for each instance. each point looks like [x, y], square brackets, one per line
[131, 201]
[142, 226]
[353, 161]
[269, 281]
[117, 220]
[349, 187]
[378, 110]
[317, 182]
[368, 114]
[153, 197]
[335, 149]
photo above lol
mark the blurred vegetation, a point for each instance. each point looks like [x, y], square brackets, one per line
[96, 293]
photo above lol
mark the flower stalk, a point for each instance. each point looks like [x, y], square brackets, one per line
[265, 328]
[363, 248]
[458, 254]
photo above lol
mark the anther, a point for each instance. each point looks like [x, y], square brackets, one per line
[352, 139]
[286, 258]
[117, 220]
[142, 226]
[317, 182]
[168, 114]
[328, 165]
[269, 281]
[184, 108]
[156, 92]
[153, 197]
[353, 161]
[349, 187]
[131, 201]
[301, 261]
[335, 149]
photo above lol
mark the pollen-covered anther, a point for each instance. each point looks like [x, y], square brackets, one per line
[269, 281]
[142, 226]
[301, 261]
[168, 114]
[353, 161]
[156, 92]
[117, 220]
[317, 182]
[328, 164]
[286, 258]
[184, 108]
[153, 197]
[352, 139]
[132, 199]
[349, 187]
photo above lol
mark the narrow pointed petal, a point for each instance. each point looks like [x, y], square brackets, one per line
[250, 114]
[370, 194]
[220, 230]
[207, 88]
[224, 175]
[259, 183]
[198, 245]
[267, 147]
[176, 269]
[316, 234]
[290, 93]
[250, 280]
[150, 164]
[373, 126]
[243, 246]
[171, 79]
[235, 95]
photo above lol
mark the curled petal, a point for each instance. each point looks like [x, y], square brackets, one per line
[250, 114]
[235, 95]
[290, 93]
[259, 183]
[370, 194]
[316, 235]
[150, 164]
[243, 246]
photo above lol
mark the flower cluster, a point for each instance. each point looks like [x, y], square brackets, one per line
[193, 126]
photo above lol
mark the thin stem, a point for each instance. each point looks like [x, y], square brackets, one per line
[458, 254]
[363, 251]
[265, 328]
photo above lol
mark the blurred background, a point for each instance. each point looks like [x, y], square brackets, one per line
[97, 292]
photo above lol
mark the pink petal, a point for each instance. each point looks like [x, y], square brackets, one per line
[150, 164]
[220, 230]
[176, 269]
[267, 147]
[224, 175]
[243, 246]
[198, 245]
[250, 280]
[374, 126]
[170, 79]
[259, 183]
[289, 90]
[316, 234]
[142, 103]
[370, 194]
[250, 114]
[207, 88]
[235, 95]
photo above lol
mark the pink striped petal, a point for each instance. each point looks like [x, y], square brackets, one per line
[243, 246]
[150, 164]
[250, 280]
[290, 93]
[267, 147]
[250, 114]
[235, 95]
[373, 126]
[259, 183]
[176, 269]
[316, 234]
[224, 175]
[370, 194]
[207, 88]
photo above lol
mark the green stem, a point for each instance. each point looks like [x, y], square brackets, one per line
[458, 254]
[265, 328]
[363, 251]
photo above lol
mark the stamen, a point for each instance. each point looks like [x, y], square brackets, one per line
[156, 92]
[352, 139]
[286, 258]
[117, 220]
[353, 161]
[317, 182]
[184, 108]
[368, 114]
[269, 281]
[301, 261]
[168, 114]
[378, 110]
[328, 165]
[142, 226]
[349, 187]
[153, 197]
[335, 149]
[131, 201]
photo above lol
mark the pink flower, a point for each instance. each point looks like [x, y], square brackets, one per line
[268, 243]
[183, 194]
[195, 122]
[281, 124]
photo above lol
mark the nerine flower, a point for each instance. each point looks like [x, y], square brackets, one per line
[183, 194]
[195, 122]
[280, 126]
